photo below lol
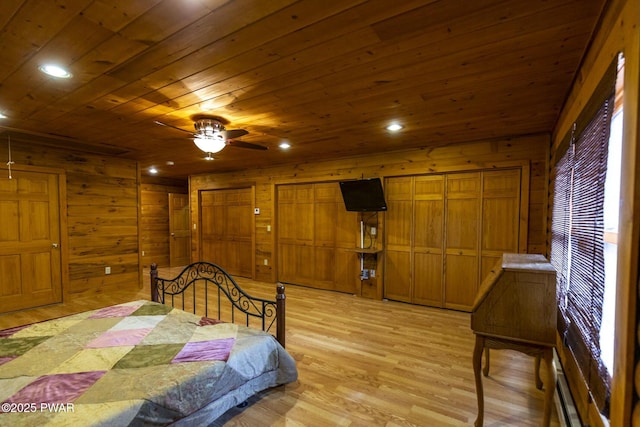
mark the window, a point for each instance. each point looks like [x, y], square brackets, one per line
[586, 176]
[611, 212]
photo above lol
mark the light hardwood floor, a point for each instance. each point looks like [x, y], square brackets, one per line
[367, 363]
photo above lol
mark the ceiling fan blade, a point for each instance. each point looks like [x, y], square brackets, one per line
[235, 133]
[242, 144]
[174, 127]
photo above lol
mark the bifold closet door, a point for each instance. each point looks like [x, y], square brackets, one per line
[227, 229]
[398, 283]
[414, 230]
[314, 234]
[295, 234]
[500, 216]
[427, 242]
[462, 222]
[444, 233]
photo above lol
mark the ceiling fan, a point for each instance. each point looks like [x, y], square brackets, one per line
[211, 136]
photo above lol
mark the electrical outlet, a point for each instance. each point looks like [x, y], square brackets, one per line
[107, 270]
[374, 231]
[372, 273]
[142, 253]
[266, 261]
[269, 227]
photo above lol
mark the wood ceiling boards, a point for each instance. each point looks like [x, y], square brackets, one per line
[327, 76]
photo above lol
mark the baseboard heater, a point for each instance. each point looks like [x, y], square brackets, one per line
[567, 413]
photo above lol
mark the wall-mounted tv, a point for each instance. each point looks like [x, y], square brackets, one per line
[363, 195]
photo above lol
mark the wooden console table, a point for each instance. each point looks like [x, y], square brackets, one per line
[516, 309]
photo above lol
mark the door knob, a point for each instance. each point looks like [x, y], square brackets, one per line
[54, 245]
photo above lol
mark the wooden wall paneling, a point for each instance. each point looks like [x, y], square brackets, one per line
[534, 205]
[500, 217]
[398, 238]
[102, 203]
[428, 241]
[462, 228]
[154, 228]
[265, 235]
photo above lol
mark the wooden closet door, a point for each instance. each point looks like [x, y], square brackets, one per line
[295, 234]
[428, 257]
[500, 216]
[399, 233]
[324, 234]
[462, 222]
[227, 229]
[314, 235]
[346, 267]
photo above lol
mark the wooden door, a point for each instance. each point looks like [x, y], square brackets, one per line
[296, 234]
[500, 216]
[399, 235]
[462, 222]
[347, 264]
[324, 234]
[179, 230]
[315, 234]
[428, 286]
[227, 229]
[30, 260]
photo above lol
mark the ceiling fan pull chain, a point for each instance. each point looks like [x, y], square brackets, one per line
[10, 162]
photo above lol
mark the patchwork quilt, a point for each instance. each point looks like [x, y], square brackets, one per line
[138, 363]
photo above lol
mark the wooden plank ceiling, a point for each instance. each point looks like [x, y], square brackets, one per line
[327, 76]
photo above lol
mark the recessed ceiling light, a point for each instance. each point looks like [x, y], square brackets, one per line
[285, 145]
[55, 71]
[394, 127]
[153, 170]
[2, 116]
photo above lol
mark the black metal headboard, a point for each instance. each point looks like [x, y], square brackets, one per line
[202, 282]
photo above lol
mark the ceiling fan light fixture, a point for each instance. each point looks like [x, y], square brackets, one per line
[209, 145]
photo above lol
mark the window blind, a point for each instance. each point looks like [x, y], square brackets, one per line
[577, 229]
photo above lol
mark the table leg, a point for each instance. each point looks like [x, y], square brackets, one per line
[477, 367]
[487, 361]
[537, 369]
[550, 385]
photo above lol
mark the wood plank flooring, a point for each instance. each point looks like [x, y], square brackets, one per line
[367, 363]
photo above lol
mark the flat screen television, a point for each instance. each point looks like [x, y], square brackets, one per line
[363, 195]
